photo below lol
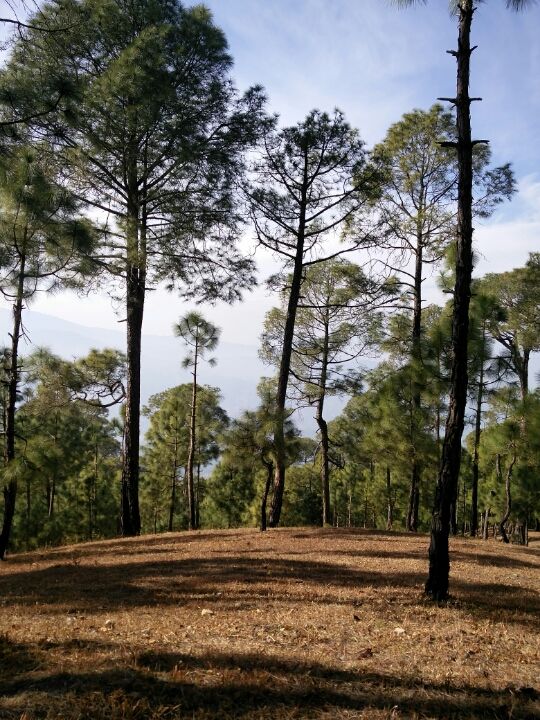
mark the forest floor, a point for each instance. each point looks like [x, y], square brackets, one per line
[292, 623]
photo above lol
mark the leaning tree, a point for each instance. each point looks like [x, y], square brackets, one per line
[336, 323]
[439, 559]
[310, 181]
[151, 135]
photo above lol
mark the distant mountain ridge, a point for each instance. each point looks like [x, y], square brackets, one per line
[237, 373]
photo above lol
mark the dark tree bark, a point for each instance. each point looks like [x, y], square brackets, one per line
[389, 500]
[269, 465]
[285, 364]
[135, 295]
[192, 515]
[416, 356]
[323, 429]
[10, 489]
[172, 505]
[439, 560]
[508, 508]
[477, 433]
[131, 522]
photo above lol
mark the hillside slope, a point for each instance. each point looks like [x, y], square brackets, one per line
[294, 623]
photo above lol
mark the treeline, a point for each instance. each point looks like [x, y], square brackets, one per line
[128, 160]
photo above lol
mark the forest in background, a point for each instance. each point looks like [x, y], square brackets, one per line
[129, 159]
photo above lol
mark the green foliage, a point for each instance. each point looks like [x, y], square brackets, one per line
[374, 433]
[165, 453]
[199, 335]
[147, 126]
[337, 322]
[247, 455]
[68, 458]
[43, 244]
[302, 502]
[231, 489]
[515, 325]
[511, 434]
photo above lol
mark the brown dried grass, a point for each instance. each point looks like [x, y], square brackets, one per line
[293, 623]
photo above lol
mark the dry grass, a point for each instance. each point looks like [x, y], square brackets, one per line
[293, 623]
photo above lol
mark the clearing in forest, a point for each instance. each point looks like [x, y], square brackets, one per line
[292, 623]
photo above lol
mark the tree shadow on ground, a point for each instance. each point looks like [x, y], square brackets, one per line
[249, 686]
[232, 581]
[130, 546]
[16, 658]
[472, 558]
[173, 582]
[493, 560]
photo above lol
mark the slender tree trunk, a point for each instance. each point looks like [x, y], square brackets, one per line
[135, 295]
[439, 559]
[172, 505]
[269, 465]
[28, 512]
[93, 493]
[485, 528]
[285, 364]
[508, 508]
[389, 500]
[131, 523]
[192, 519]
[477, 433]
[283, 380]
[197, 492]
[416, 405]
[323, 429]
[10, 489]
[521, 365]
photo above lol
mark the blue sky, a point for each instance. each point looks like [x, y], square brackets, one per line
[375, 62]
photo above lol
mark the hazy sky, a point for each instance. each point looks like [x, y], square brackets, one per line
[374, 62]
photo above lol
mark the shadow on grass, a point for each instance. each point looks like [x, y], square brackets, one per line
[174, 582]
[473, 558]
[16, 659]
[231, 582]
[249, 686]
[131, 546]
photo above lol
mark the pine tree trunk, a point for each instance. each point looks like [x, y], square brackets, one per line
[269, 465]
[192, 518]
[522, 365]
[172, 504]
[439, 559]
[135, 294]
[416, 405]
[508, 508]
[323, 429]
[197, 492]
[10, 489]
[389, 500]
[485, 528]
[285, 364]
[477, 433]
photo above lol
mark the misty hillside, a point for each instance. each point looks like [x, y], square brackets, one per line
[237, 372]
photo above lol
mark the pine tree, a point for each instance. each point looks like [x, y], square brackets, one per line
[311, 180]
[43, 246]
[439, 559]
[336, 323]
[152, 134]
[166, 451]
[201, 337]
